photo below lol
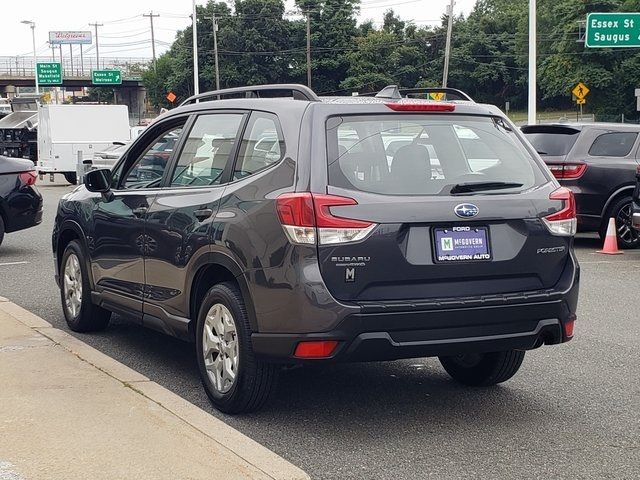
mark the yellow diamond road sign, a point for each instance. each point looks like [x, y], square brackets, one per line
[436, 96]
[580, 91]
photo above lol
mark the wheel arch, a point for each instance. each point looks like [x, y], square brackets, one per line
[217, 268]
[621, 192]
[69, 231]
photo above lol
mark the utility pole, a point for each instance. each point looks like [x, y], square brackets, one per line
[96, 25]
[215, 50]
[194, 28]
[532, 116]
[447, 51]
[153, 38]
[308, 49]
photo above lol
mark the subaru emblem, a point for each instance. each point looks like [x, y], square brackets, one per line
[466, 210]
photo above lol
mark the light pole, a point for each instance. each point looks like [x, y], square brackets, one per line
[35, 58]
[532, 116]
[196, 87]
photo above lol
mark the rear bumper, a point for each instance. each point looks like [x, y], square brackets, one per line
[24, 210]
[380, 333]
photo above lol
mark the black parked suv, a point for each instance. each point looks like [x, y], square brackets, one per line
[308, 230]
[598, 162]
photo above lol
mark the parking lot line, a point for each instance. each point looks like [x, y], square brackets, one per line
[9, 264]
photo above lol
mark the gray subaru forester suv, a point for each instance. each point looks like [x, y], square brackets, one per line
[287, 228]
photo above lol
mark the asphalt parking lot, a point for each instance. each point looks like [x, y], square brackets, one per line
[571, 412]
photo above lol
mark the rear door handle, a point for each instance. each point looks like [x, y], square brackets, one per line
[140, 211]
[203, 214]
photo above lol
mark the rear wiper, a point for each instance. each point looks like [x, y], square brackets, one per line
[481, 187]
[541, 153]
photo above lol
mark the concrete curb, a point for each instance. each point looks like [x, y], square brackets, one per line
[239, 444]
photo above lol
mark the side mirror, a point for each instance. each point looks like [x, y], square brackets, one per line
[98, 180]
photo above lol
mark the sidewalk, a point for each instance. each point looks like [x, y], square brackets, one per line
[68, 412]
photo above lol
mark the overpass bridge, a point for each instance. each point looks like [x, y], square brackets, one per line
[18, 72]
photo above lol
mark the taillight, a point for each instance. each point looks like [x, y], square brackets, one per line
[307, 219]
[315, 349]
[568, 327]
[412, 106]
[564, 222]
[28, 178]
[568, 171]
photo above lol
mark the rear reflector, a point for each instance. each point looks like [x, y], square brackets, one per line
[568, 171]
[28, 178]
[421, 106]
[319, 349]
[563, 223]
[307, 218]
[568, 327]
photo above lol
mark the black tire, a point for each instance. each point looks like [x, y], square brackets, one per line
[71, 177]
[1, 230]
[89, 317]
[622, 209]
[254, 381]
[483, 369]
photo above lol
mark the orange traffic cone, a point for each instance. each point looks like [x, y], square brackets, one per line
[610, 246]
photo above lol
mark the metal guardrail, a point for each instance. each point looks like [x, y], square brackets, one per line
[23, 67]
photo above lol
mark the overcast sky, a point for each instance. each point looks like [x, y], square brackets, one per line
[126, 33]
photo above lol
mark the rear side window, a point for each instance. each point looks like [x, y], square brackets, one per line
[426, 154]
[617, 144]
[552, 141]
[261, 146]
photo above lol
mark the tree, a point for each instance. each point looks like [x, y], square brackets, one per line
[333, 31]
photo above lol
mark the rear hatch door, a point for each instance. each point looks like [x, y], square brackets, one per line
[457, 202]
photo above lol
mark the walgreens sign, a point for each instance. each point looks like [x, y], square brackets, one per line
[69, 37]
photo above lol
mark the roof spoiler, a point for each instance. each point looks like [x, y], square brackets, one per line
[298, 92]
[393, 92]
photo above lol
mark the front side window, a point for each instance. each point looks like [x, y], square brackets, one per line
[261, 146]
[617, 144]
[423, 154]
[147, 171]
[207, 150]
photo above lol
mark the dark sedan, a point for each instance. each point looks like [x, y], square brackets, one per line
[20, 202]
[598, 162]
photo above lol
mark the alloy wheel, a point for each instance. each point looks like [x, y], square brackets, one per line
[624, 227]
[72, 285]
[220, 348]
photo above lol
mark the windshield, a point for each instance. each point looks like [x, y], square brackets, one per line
[427, 154]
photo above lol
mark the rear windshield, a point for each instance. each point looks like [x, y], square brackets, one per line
[427, 154]
[553, 141]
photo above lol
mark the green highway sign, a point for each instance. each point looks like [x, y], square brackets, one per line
[106, 77]
[49, 73]
[613, 30]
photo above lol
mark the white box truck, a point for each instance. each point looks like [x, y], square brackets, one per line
[67, 133]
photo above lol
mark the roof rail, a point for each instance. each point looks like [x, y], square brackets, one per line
[298, 92]
[396, 93]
